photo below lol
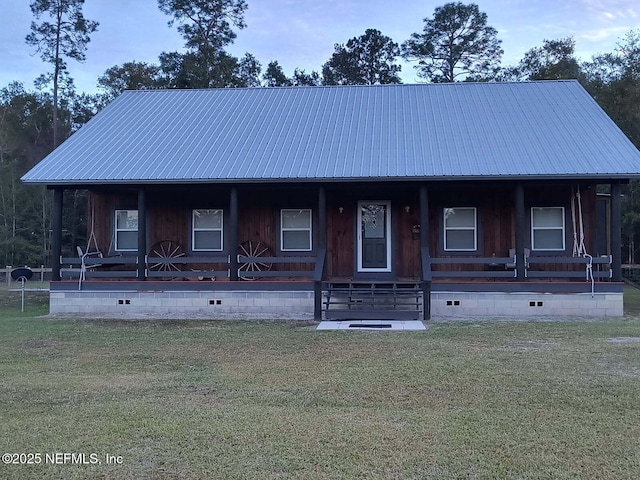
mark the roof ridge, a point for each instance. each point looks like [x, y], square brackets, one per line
[387, 85]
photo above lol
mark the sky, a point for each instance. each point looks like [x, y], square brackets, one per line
[302, 33]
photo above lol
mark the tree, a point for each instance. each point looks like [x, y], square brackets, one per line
[25, 138]
[248, 71]
[456, 42]
[613, 79]
[188, 71]
[274, 76]
[66, 35]
[554, 60]
[130, 76]
[206, 25]
[365, 60]
[303, 79]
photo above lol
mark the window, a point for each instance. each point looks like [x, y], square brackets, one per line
[547, 228]
[460, 229]
[295, 230]
[126, 231]
[207, 230]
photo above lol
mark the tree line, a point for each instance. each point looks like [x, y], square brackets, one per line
[456, 44]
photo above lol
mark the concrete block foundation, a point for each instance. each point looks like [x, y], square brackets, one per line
[185, 304]
[298, 304]
[523, 304]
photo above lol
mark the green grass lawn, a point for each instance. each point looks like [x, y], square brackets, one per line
[244, 400]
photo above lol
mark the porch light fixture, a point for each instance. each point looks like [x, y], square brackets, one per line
[341, 209]
[407, 209]
[415, 231]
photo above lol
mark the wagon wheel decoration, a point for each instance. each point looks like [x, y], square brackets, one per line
[165, 250]
[254, 248]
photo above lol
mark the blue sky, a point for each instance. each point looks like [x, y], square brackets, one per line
[301, 33]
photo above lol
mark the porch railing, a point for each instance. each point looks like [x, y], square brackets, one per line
[83, 268]
[193, 267]
[494, 267]
[125, 267]
[594, 267]
[186, 267]
[256, 267]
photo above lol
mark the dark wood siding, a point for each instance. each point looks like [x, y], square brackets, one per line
[169, 218]
[341, 238]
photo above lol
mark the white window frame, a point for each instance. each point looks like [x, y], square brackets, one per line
[446, 229]
[297, 229]
[534, 228]
[117, 230]
[194, 230]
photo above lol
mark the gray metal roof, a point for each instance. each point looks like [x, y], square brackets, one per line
[431, 131]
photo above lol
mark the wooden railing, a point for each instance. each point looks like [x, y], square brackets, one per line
[191, 267]
[84, 268]
[496, 267]
[426, 261]
[503, 267]
[259, 269]
[318, 277]
[186, 267]
[594, 267]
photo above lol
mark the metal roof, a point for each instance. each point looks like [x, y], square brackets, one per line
[551, 129]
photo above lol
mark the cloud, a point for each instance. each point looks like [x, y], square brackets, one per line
[612, 10]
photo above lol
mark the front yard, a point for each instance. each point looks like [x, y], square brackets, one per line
[243, 400]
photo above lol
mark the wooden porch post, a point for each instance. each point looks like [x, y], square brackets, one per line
[142, 234]
[520, 232]
[322, 218]
[616, 233]
[56, 234]
[424, 252]
[233, 234]
[322, 246]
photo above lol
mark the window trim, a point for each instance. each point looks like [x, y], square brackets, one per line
[194, 230]
[534, 228]
[446, 229]
[116, 230]
[298, 229]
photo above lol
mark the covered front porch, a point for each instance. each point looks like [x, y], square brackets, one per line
[253, 274]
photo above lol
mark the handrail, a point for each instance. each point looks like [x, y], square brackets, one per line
[318, 276]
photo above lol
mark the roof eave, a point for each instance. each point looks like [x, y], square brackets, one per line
[450, 178]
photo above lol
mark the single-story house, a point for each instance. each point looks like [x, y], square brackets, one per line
[393, 201]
